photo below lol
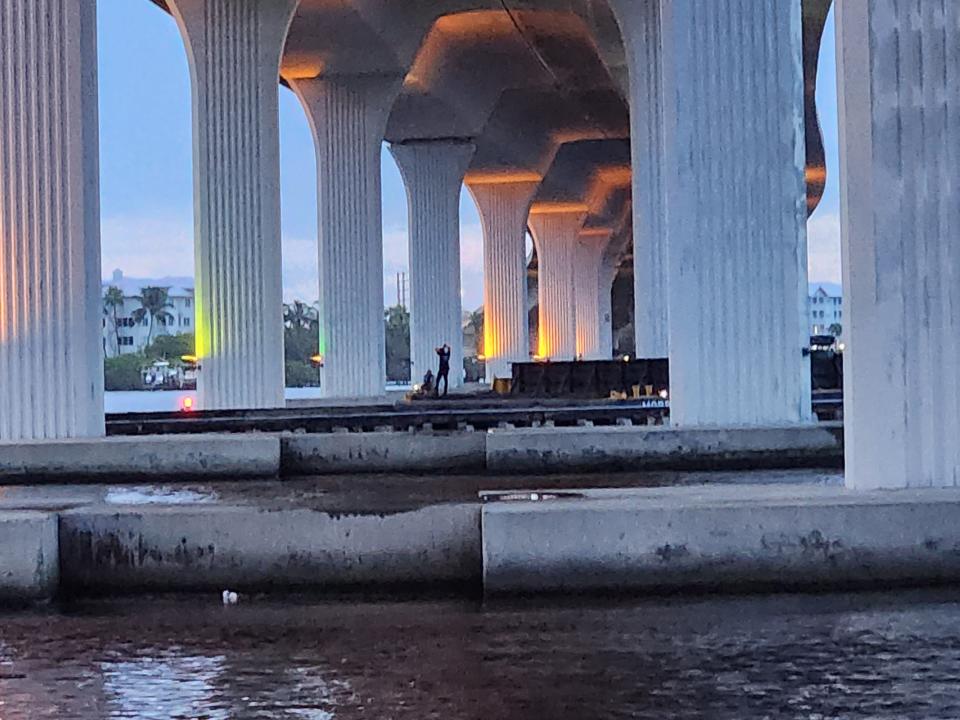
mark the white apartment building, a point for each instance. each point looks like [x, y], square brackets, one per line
[131, 336]
[825, 309]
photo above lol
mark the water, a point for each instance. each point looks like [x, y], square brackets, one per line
[893, 655]
[172, 400]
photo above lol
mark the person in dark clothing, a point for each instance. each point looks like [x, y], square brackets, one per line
[444, 354]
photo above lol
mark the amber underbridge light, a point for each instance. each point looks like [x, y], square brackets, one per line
[501, 177]
[558, 208]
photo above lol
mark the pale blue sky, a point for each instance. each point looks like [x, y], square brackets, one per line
[146, 176]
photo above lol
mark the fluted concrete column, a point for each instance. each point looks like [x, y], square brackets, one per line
[348, 116]
[588, 286]
[736, 212]
[608, 273]
[899, 76]
[640, 26]
[51, 364]
[503, 209]
[555, 232]
[234, 48]
[433, 175]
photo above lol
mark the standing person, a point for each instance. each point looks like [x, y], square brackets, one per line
[444, 371]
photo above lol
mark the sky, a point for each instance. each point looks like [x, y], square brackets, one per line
[146, 168]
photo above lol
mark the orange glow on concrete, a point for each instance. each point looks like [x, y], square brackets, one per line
[498, 177]
[614, 175]
[465, 32]
[558, 208]
[596, 232]
[301, 69]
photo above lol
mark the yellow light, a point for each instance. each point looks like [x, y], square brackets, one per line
[600, 232]
[189, 359]
[557, 208]
[316, 359]
[495, 177]
[187, 404]
[626, 358]
[481, 357]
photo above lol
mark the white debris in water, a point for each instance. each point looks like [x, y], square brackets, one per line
[230, 597]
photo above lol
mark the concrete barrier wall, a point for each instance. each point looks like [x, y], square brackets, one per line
[170, 456]
[212, 548]
[29, 558]
[638, 448]
[724, 538]
[317, 454]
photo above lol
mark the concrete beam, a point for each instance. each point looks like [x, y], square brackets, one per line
[242, 548]
[29, 556]
[177, 457]
[736, 538]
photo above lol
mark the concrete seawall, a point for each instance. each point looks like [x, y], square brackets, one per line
[621, 448]
[210, 548]
[181, 457]
[318, 454]
[529, 450]
[691, 538]
[29, 556]
[730, 538]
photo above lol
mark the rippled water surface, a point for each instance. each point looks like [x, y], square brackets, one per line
[858, 656]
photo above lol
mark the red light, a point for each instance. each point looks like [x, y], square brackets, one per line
[187, 404]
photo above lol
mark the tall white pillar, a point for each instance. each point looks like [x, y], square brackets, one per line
[899, 78]
[608, 273]
[736, 212]
[503, 207]
[588, 286]
[51, 363]
[349, 116]
[555, 232]
[640, 26]
[234, 49]
[433, 175]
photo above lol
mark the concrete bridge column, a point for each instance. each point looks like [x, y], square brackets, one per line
[556, 232]
[348, 116]
[735, 212]
[503, 207]
[234, 48]
[608, 273]
[433, 174]
[899, 75]
[588, 287]
[640, 26]
[51, 360]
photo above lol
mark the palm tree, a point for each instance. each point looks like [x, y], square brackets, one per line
[154, 302]
[475, 324]
[299, 315]
[112, 304]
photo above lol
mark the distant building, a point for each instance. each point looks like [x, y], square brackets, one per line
[130, 336]
[825, 309]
